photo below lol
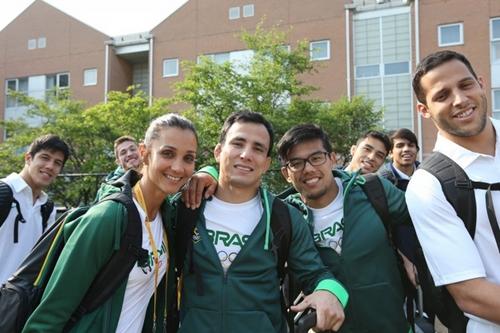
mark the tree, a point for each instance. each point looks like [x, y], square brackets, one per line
[89, 133]
[269, 83]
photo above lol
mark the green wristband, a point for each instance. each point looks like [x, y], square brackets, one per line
[335, 288]
[212, 171]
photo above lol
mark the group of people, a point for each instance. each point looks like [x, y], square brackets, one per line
[339, 254]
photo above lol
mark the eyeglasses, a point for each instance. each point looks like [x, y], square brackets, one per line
[315, 159]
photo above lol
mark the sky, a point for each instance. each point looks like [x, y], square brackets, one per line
[131, 15]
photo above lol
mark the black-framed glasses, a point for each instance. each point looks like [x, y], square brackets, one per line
[315, 159]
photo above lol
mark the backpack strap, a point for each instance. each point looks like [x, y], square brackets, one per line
[6, 197]
[7, 201]
[281, 227]
[456, 185]
[374, 190]
[184, 228]
[45, 210]
[119, 265]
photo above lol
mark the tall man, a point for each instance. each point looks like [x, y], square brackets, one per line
[44, 160]
[232, 284]
[451, 94]
[349, 234]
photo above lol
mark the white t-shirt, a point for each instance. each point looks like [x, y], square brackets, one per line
[329, 222]
[230, 225]
[140, 283]
[451, 254]
[12, 254]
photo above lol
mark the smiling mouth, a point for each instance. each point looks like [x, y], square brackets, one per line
[243, 168]
[311, 181]
[172, 178]
[46, 174]
[465, 113]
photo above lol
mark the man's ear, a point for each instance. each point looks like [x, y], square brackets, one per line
[284, 173]
[480, 80]
[423, 110]
[353, 149]
[333, 157]
[28, 158]
[217, 151]
[144, 153]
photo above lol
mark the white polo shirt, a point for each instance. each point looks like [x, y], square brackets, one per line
[12, 254]
[450, 252]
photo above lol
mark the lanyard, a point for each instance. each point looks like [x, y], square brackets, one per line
[140, 199]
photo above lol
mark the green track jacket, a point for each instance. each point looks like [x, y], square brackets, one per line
[367, 265]
[247, 298]
[90, 243]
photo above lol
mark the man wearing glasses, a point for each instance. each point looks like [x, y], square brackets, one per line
[348, 233]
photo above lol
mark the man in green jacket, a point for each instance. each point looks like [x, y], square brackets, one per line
[348, 233]
[126, 157]
[230, 281]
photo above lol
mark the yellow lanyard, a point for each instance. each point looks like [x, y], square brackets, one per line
[140, 199]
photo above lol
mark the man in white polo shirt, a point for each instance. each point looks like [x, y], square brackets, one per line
[453, 97]
[19, 232]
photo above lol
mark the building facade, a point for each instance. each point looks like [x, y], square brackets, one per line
[362, 47]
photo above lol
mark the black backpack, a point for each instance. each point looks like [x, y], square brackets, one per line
[7, 202]
[20, 295]
[281, 227]
[459, 191]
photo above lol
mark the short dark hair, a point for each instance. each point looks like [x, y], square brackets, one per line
[247, 117]
[432, 61]
[299, 134]
[404, 133]
[378, 136]
[49, 142]
[122, 139]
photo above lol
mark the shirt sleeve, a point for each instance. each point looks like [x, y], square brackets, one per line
[449, 250]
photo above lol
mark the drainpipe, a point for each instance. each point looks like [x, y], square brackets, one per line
[151, 51]
[106, 69]
[348, 51]
[420, 134]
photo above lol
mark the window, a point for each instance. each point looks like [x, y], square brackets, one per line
[495, 29]
[496, 103]
[31, 44]
[15, 85]
[170, 67]
[450, 34]
[54, 85]
[42, 42]
[62, 80]
[397, 68]
[248, 10]
[382, 55]
[90, 77]
[367, 71]
[234, 13]
[320, 50]
[11, 85]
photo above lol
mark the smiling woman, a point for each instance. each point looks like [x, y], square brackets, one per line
[168, 154]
